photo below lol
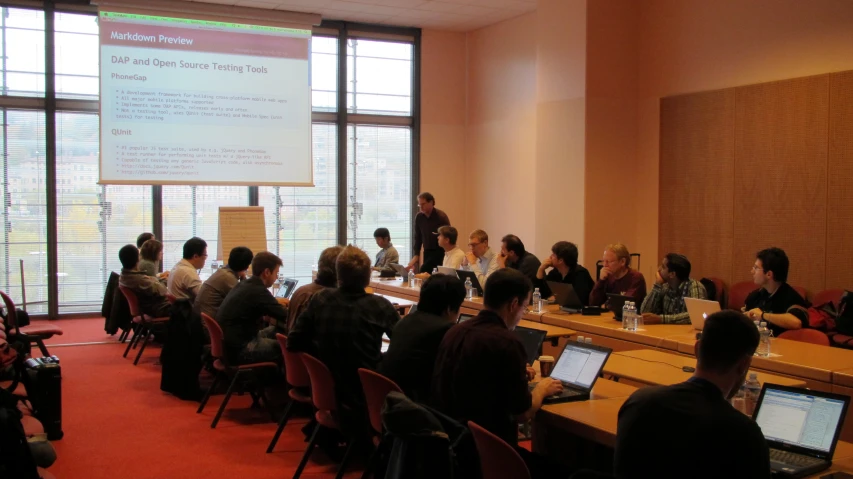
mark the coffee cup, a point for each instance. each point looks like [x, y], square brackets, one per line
[546, 365]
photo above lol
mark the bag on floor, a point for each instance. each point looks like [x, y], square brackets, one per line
[181, 355]
[43, 381]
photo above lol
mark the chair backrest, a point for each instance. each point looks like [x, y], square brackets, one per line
[294, 369]
[802, 291]
[215, 336]
[828, 296]
[498, 460]
[322, 384]
[635, 264]
[376, 387]
[806, 335]
[11, 314]
[132, 301]
[721, 291]
[738, 293]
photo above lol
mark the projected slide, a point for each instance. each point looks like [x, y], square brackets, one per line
[198, 102]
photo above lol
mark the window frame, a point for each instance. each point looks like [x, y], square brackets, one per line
[50, 104]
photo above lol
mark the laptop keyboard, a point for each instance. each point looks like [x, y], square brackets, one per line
[793, 459]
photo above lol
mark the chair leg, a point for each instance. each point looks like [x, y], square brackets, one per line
[225, 399]
[209, 392]
[143, 331]
[281, 424]
[131, 342]
[42, 348]
[311, 443]
[142, 348]
[374, 458]
[345, 460]
[122, 336]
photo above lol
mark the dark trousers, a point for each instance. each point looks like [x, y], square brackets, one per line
[433, 258]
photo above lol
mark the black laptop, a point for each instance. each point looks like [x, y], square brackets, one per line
[464, 274]
[287, 287]
[615, 303]
[577, 369]
[565, 296]
[532, 341]
[801, 428]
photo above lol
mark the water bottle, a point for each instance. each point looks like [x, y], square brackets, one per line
[632, 317]
[435, 271]
[738, 399]
[751, 391]
[469, 288]
[537, 301]
[626, 314]
[588, 340]
[412, 278]
[764, 344]
[581, 339]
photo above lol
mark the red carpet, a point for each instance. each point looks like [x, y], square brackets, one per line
[118, 424]
[76, 331]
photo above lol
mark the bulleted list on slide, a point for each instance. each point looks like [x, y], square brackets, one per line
[223, 104]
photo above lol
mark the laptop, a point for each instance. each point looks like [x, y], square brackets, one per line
[615, 303]
[463, 275]
[448, 271]
[463, 318]
[577, 369]
[565, 296]
[801, 428]
[532, 340]
[400, 269]
[287, 287]
[699, 309]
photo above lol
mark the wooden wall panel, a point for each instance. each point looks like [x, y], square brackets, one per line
[839, 228]
[697, 180]
[780, 178]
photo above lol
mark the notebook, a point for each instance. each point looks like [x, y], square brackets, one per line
[577, 369]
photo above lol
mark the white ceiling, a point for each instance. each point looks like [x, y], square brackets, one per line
[454, 15]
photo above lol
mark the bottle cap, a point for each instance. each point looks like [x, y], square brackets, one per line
[753, 375]
[580, 339]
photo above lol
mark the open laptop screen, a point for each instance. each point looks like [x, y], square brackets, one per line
[579, 365]
[799, 418]
[532, 341]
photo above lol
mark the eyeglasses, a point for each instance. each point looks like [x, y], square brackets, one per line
[474, 244]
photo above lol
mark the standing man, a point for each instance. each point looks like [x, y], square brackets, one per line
[427, 223]
[388, 254]
[665, 303]
[513, 255]
[775, 299]
[184, 282]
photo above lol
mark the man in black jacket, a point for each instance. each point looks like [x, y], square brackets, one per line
[241, 314]
[690, 429]
[411, 356]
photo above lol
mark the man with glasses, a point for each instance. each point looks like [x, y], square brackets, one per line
[480, 258]
[184, 282]
[427, 223]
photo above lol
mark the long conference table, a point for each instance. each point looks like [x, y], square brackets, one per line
[636, 359]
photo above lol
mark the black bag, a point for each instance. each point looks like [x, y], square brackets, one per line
[43, 381]
[844, 318]
[22, 317]
[15, 457]
[181, 355]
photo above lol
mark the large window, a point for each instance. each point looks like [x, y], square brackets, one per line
[60, 263]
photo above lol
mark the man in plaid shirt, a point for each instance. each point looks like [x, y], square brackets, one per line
[665, 302]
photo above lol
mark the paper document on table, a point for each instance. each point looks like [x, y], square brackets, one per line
[241, 226]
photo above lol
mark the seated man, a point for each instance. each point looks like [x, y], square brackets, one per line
[665, 303]
[690, 429]
[247, 339]
[343, 327]
[481, 371]
[141, 239]
[453, 255]
[480, 258]
[327, 277]
[617, 277]
[411, 356]
[513, 255]
[565, 269]
[388, 254]
[150, 294]
[775, 299]
[219, 284]
[184, 282]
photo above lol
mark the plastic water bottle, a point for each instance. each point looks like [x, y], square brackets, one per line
[469, 288]
[581, 339]
[412, 278]
[632, 321]
[435, 271]
[588, 340]
[626, 314]
[738, 399]
[537, 301]
[764, 344]
[751, 391]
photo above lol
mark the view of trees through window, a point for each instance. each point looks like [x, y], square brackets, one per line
[93, 221]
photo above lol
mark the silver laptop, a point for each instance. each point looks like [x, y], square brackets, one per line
[447, 271]
[577, 369]
[801, 428]
[699, 309]
[400, 269]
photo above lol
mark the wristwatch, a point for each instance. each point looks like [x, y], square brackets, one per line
[762, 315]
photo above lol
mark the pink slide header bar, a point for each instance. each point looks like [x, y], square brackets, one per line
[197, 40]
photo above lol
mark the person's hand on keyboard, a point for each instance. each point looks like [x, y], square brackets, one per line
[549, 387]
[531, 374]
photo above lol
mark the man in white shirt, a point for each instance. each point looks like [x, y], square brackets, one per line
[184, 282]
[480, 258]
[453, 255]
